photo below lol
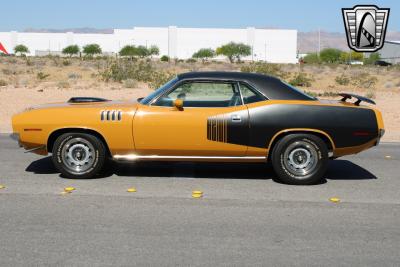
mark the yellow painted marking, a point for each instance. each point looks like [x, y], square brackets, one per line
[388, 157]
[131, 190]
[69, 189]
[334, 199]
[197, 194]
[2, 186]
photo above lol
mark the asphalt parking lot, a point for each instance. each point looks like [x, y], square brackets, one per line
[243, 219]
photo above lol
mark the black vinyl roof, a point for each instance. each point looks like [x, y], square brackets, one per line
[269, 86]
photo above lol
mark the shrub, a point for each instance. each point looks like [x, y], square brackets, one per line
[66, 62]
[63, 84]
[364, 80]
[3, 83]
[370, 94]
[74, 76]
[342, 80]
[41, 76]
[301, 79]
[265, 68]
[121, 70]
[165, 58]
[191, 60]
[130, 83]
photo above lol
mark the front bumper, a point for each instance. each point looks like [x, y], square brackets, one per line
[16, 137]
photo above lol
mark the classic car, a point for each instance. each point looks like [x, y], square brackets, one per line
[204, 116]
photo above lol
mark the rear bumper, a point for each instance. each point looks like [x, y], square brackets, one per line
[380, 135]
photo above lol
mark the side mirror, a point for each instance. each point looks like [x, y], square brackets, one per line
[178, 103]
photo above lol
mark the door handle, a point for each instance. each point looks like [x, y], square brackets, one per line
[236, 118]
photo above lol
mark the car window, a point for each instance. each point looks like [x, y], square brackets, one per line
[203, 94]
[249, 95]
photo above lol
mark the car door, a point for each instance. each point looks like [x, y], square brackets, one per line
[212, 122]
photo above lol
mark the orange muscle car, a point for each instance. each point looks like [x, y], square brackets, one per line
[204, 116]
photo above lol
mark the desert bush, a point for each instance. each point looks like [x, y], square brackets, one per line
[191, 60]
[3, 83]
[301, 79]
[364, 80]
[66, 62]
[342, 80]
[265, 68]
[370, 94]
[7, 72]
[28, 62]
[41, 76]
[74, 76]
[165, 58]
[121, 70]
[63, 84]
[130, 83]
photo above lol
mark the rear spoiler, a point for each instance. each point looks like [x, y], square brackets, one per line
[359, 98]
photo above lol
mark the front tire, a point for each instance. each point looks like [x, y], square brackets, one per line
[79, 155]
[300, 159]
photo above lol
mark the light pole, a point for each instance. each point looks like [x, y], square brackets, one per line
[265, 52]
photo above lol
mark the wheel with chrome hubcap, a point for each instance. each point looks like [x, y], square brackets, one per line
[300, 159]
[78, 155]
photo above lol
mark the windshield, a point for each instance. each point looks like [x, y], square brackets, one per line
[158, 91]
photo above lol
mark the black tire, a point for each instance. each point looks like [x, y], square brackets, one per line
[89, 148]
[300, 159]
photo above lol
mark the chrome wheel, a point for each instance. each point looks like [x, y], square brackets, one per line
[300, 158]
[78, 155]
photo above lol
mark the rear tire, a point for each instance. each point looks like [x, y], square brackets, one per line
[300, 159]
[79, 155]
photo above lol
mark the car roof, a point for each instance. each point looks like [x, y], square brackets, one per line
[269, 86]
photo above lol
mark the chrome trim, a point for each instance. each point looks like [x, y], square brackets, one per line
[35, 148]
[138, 157]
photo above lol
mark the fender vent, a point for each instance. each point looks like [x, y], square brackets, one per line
[111, 115]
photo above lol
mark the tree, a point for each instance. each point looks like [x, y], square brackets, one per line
[330, 55]
[234, 50]
[353, 55]
[311, 58]
[204, 54]
[165, 58]
[142, 51]
[21, 49]
[154, 50]
[71, 50]
[92, 49]
[128, 50]
[372, 58]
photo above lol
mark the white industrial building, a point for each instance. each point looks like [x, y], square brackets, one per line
[271, 45]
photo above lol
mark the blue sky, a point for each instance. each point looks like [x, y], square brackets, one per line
[306, 15]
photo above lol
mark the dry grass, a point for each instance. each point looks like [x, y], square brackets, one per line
[39, 80]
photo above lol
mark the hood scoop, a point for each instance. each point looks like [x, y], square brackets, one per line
[86, 100]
